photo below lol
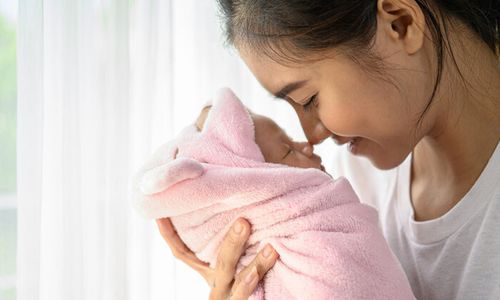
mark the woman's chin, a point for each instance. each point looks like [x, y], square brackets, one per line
[384, 165]
[379, 157]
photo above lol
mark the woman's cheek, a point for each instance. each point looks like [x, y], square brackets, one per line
[340, 120]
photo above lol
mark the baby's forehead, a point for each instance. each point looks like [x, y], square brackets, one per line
[261, 121]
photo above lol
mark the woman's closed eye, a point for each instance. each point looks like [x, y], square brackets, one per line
[312, 101]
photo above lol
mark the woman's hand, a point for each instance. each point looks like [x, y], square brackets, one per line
[224, 283]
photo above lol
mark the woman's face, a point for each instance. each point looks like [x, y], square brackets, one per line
[376, 117]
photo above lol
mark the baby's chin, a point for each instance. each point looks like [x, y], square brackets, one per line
[320, 167]
[317, 167]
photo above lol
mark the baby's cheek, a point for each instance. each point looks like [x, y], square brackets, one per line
[275, 159]
[295, 160]
[269, 156]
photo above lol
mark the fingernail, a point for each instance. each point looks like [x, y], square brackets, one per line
[268, 250]
[251, 277]
[238, 228]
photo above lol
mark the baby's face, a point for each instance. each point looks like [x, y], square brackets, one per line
[278, 148]
[275, 144]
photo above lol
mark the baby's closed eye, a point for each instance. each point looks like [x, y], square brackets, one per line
[287, 151]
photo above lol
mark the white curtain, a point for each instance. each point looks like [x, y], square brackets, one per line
[101, 84]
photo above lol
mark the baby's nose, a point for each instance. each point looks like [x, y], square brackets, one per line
[306, 148]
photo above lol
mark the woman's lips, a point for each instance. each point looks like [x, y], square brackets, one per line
[353, 142]
[340, 140]
[354, 146]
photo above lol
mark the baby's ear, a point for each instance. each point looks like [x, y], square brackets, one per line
[162, 177]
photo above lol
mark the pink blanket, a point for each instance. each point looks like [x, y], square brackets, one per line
[329, 243]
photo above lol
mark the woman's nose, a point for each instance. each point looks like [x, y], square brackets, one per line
[314, 130]
[317, 133]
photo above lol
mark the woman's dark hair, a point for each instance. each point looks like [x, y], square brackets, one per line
[285, 30]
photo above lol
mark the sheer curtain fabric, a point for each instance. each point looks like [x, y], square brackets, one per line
[101, 85]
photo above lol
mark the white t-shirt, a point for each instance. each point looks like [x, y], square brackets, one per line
[456, 256]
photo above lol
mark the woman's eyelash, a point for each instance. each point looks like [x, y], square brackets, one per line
[310, 102]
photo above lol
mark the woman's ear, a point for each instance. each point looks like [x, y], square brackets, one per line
[404, 22]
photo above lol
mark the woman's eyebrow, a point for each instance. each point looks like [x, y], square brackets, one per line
[287, 89]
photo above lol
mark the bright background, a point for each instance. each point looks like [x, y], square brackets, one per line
[8, 216]
[100, 85]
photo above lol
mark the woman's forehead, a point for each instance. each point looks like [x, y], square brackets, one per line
[272, 75]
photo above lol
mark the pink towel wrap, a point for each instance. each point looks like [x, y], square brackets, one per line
[329, 244]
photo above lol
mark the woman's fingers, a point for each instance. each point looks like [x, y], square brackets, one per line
[180, 250]
[230, 252]
[262, 263]
[243, 290]
[223, 281]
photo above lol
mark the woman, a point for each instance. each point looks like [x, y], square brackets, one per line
[411, 85]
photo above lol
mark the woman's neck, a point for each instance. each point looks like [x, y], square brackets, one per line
[466, 130]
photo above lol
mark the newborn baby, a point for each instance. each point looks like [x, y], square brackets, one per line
[276, 146]
[233, 163]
